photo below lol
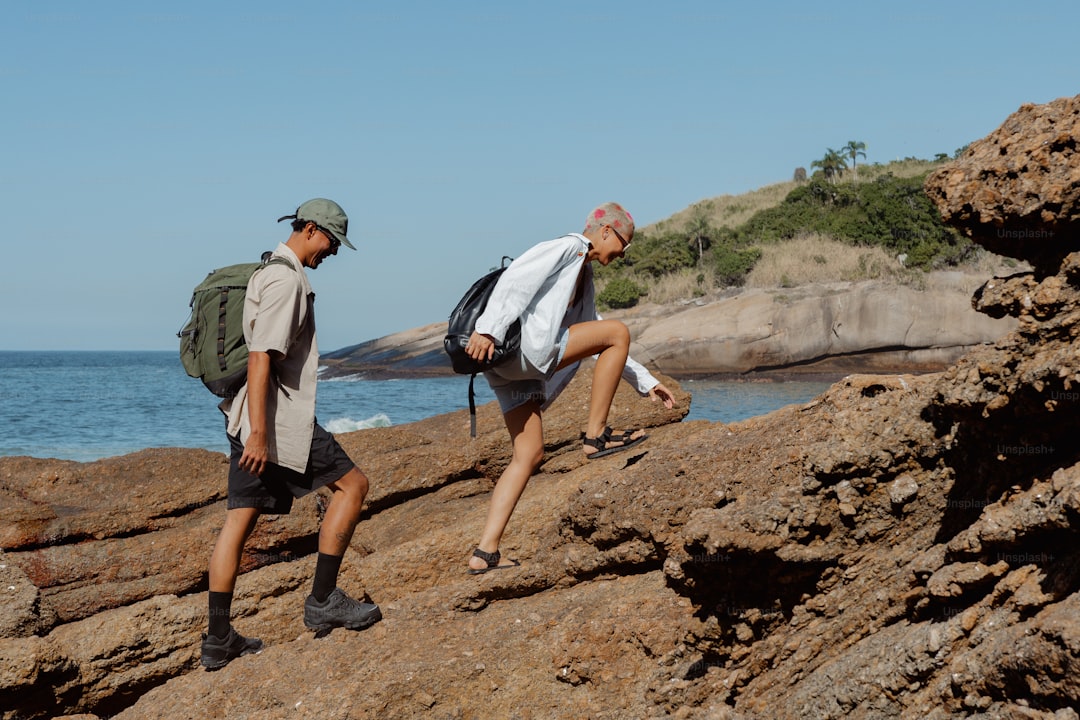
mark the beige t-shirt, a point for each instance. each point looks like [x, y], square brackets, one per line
[279, 318]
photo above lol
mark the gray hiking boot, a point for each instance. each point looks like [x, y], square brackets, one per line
[339, 610]
[217, 652]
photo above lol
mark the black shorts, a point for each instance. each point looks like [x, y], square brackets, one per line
[273, 492]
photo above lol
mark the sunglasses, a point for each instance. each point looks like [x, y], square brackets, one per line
[622, 240]
[334, 242]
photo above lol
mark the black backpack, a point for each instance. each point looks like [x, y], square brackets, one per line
[461, 326]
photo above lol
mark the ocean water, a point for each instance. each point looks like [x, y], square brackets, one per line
[89, 405]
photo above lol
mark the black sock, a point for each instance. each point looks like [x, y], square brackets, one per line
[326, 572]
[220, 607]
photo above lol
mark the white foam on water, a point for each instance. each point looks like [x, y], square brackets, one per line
[345, 424]
[344, 378]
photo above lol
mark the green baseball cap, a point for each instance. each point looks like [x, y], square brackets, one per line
[328, 215]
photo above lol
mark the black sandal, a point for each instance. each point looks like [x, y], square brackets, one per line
[601, 442]
[492, 560]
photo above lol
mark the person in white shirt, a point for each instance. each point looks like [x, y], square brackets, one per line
[550, 289]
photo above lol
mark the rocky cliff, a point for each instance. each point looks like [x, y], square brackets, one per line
[1017, 191]
[902, 546]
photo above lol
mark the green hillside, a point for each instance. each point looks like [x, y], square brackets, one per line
[871, 221]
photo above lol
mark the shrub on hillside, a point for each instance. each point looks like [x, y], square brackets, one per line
[659, 255]
[620, 292]
[732, 264]
[889, 211]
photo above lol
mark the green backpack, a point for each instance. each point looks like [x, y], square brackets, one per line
[212, 346]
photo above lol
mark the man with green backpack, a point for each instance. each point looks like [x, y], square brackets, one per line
[278, 450]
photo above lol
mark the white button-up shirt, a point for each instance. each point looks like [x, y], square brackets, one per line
[538, 288]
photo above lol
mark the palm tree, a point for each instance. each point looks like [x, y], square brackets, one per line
[854, 149]
[832, 165]
[699, 232]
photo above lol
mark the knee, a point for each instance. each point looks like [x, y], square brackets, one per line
[536, 458]
[239, 522]
[355, 485]
[529, 457]
[362, 484]
[619, 334]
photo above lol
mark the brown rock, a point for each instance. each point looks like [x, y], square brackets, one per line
[21, 602]
[902, 546]
[129, 528]
[1017, 191]
[954, 580]
[903, 490]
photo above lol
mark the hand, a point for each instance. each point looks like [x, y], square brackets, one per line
[662, 393]
[480, 347]
[255, 454]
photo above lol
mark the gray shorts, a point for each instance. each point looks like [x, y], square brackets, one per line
[518, 381]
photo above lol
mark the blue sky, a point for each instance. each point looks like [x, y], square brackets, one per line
[146, 144]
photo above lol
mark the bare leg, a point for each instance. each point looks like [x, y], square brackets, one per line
[610, 340]
[527, 436]
[343, 513]
[229, 548]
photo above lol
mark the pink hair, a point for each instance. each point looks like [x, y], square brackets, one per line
[611, 214]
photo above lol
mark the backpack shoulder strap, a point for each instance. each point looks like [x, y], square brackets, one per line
[269, 260]
[472, 406]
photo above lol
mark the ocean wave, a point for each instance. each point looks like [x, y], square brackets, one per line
[345, 424]
[344, 378]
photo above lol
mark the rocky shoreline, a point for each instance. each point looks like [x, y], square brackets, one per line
[903, 546]
[821, 331]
